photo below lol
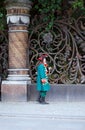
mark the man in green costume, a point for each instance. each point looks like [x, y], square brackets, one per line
[42, 79]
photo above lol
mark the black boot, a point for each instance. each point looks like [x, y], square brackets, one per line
[40, 99]
[43, 101]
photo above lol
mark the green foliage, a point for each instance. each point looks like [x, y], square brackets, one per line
[54, 9]
[48, 9]
[78, 4]
[2, 15]
[78, 8]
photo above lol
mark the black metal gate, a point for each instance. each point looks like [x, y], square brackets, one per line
[65, 46]
[3, 54]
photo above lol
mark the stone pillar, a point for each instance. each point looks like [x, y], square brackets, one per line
[14, 88]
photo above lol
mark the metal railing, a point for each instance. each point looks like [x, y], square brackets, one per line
[64, 44]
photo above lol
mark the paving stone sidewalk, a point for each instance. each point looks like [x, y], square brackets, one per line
[59, 109]
[32, 115]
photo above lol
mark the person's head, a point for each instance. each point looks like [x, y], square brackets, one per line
[42, 58]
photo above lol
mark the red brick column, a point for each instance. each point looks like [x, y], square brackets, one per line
[15, 87]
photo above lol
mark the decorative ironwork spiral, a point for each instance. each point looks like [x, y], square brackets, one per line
[65, 46]
[3, 54]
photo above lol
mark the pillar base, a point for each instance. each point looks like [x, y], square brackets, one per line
[15, 91]
[19, 78]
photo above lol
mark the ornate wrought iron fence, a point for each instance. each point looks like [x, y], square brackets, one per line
[3, 54]
[65, 46]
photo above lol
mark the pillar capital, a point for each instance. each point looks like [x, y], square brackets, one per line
[18, 12]
[22, 3]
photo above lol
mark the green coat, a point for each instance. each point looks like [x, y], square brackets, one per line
[41, 74]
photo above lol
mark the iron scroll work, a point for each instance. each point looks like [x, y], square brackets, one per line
[3, 54]
[65, 46]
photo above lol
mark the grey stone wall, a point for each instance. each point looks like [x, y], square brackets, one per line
[60, 92]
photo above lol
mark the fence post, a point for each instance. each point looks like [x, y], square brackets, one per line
[15, 86]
